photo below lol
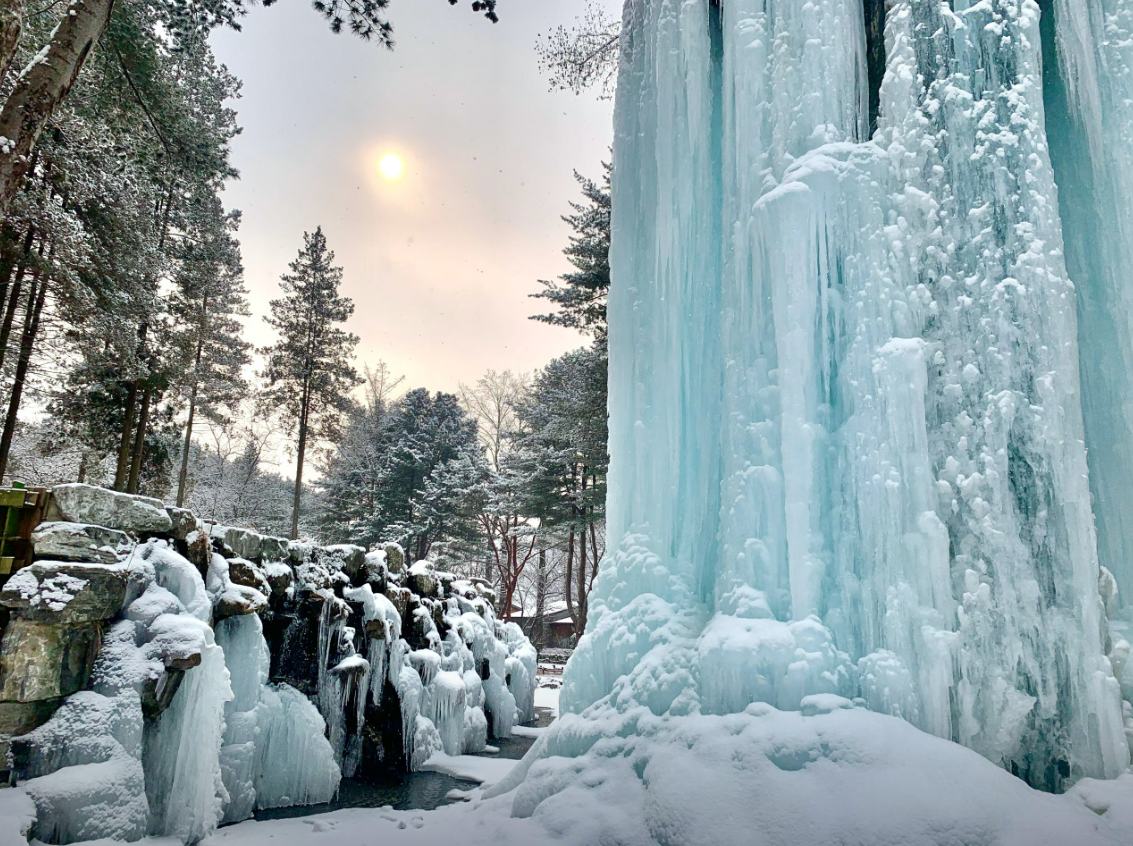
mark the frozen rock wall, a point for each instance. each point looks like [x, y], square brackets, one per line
[847, 432]
[164, 676]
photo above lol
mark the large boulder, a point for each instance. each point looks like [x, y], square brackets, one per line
[346, 557]
[244, 572]
[280, 576]
[185, 522]
[395, 557]
[423, 579]
[40, 661]
[80, 542]
[237, 600]
[78, 503]
[244, 543]
[67, 591]
[275, 549]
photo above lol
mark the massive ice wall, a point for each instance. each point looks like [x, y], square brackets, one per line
[847, 434]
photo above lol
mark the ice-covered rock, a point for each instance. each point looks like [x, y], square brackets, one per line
[184, 523]
[66, 591]
[79, 503]
[79, 542]
[244, 543]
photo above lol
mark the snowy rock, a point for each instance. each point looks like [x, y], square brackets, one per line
[374, 570]
[18, 718]
[249, 574]
[45, 661]
[395, 557]
[184, 521]
[423, 579]
[823, 703]
[66, 592]
[78, 542]
[236, 600]
[79, 503]
[198, 549]
[274, 549]
[280, 576]
[244, 543]
[345, 557]
[300, 551]
[83, 770]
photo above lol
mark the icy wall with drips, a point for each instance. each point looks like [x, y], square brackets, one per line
[226, 684]
[847, 433]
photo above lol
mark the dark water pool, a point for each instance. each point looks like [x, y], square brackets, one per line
[402, 791]
[406, 791]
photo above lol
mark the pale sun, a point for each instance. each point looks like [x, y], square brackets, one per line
[390, 166]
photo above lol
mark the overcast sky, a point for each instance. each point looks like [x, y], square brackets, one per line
[438, 263]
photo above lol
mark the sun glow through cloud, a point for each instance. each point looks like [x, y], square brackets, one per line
[391, 166]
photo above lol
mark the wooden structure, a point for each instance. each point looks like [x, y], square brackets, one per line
[21, 510]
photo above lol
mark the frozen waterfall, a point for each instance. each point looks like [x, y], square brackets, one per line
[849, 414]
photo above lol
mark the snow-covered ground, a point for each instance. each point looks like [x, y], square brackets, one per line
[766, 777]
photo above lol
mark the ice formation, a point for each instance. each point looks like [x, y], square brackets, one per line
[849, 416]
[192, 718]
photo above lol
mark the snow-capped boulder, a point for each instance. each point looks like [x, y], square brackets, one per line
[423, 578]
[79, 503]
[395, 557]
[80, 542]
[244, 543]
[185, 522]
[244, 572]
[346, 557]
[274, 549]
[66, 591]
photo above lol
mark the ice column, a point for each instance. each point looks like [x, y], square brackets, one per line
[847, 432]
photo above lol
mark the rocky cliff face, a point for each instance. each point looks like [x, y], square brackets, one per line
[150, 654]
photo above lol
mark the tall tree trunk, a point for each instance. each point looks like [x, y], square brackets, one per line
[36, 297]
[14, 296]
[10, 312]
[140, 441]
[568, 579]
[11, 26]
[183, 476]
[580, 600]
[42, 86]
[299, 467]
[121, 472]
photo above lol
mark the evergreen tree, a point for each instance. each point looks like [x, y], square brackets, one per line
[562, 459]
[309, 370]
[580, 296]
[209, 301]
[409, 471]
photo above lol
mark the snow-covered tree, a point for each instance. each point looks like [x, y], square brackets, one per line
[309, 370]
[579, 296]
[561, 458]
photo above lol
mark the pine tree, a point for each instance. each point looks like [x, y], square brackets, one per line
[562, 458]
[209, 301]
[309, 370]
[580, 296]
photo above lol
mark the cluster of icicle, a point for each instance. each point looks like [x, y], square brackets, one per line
[853, 385]
[230, 742]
